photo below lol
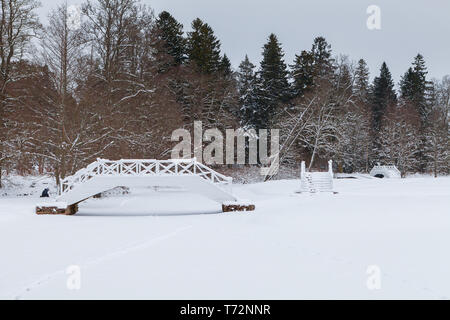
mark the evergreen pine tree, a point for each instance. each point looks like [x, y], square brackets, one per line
[383, 94]
[170, 31]
[361, 86]
[225, 66]
[302, 73]
[274, 87]
[407, 84]
[416, 90]
[414, 87]
[323, 62]
[247, 89]
[312, 67]
[204, 48]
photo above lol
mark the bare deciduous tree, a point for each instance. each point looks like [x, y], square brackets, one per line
[18, 24]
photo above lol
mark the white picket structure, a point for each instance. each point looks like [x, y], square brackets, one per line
[109, 173]
[313, 182]
[390, 172]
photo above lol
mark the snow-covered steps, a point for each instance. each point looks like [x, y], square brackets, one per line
[313, 182]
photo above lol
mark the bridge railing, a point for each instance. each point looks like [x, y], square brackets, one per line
[180, 167]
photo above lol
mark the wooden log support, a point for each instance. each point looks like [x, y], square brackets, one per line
[52, 210]
[71, 210]
[237, 207]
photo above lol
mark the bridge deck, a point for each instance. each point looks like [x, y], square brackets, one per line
[99, 184]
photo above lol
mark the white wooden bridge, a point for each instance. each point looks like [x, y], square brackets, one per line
[103, 175]
[390, 172]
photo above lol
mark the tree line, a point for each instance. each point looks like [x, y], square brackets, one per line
[121, 82]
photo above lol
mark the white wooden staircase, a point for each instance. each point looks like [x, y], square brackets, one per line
[314, 182]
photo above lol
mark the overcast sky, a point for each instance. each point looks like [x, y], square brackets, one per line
[407, 27]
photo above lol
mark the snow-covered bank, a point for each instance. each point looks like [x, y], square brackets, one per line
[149, 245]
[25, 186]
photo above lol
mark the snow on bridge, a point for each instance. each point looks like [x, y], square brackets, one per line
[385, 172]
[103, 175]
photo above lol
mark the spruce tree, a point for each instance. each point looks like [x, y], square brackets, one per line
[274, 87]
[225, 66]
[310, 68]
[383, 95]
[247, 89]
[323, 62]
[414, 87]
[170, 31]
[407, 84]
[361, 86]
[204, 48]
[302, 73]
[416, 90]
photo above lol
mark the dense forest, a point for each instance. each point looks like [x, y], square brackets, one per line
[118, 85]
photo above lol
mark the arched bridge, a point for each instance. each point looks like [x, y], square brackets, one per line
[103, 175]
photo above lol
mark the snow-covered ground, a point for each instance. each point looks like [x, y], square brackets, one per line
[151, 244]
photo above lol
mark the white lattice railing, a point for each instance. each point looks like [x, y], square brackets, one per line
[391, 169]
[144, 168]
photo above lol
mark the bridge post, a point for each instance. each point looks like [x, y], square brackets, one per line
[330, 167]
[235, 207]
[49, 209]
[302, 169]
